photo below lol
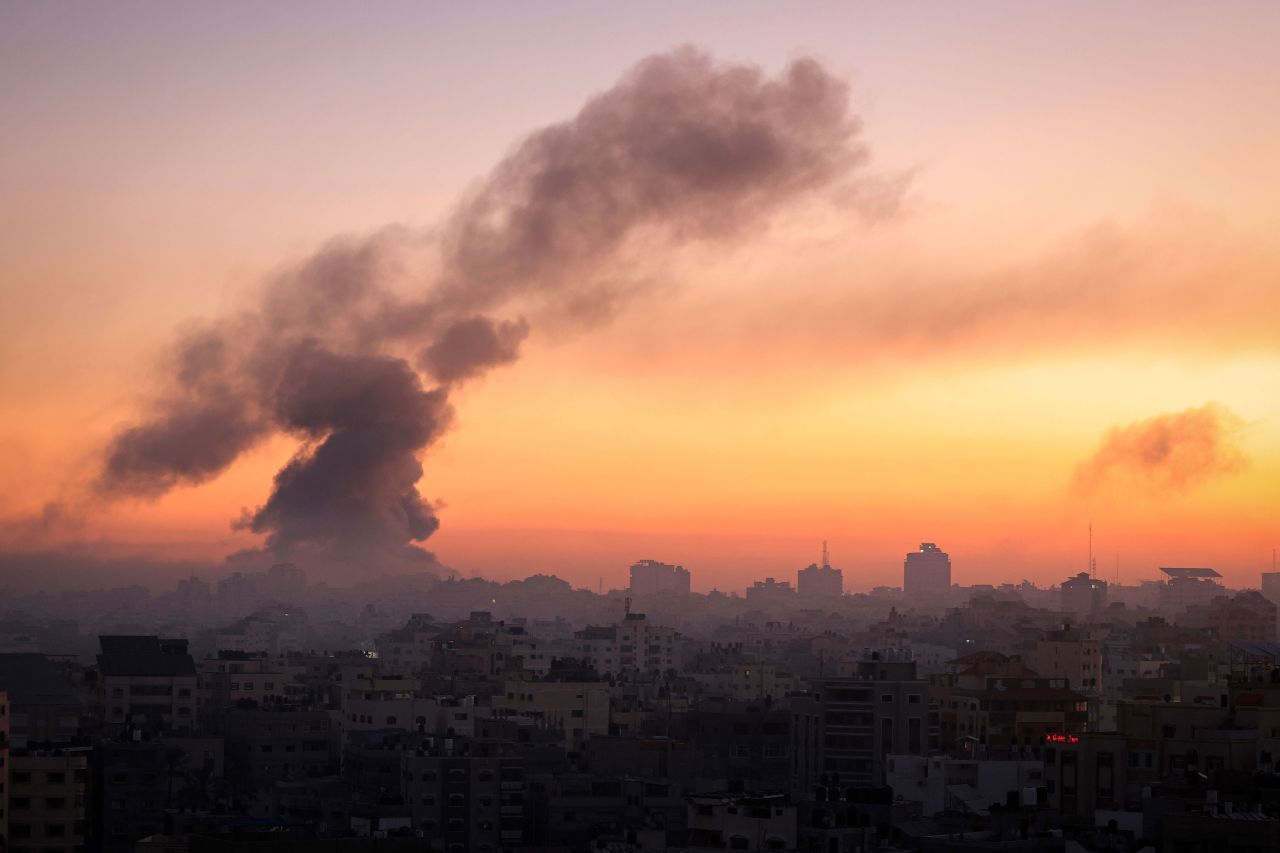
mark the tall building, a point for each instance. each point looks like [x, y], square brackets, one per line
[884, 708]
[816, 581]
[1084, 595]
[927, 570]
[147, 682]
[649, 577]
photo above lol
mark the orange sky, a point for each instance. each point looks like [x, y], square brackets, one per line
[1087, 243]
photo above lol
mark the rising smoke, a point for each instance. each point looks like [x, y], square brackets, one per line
[682, 149]
[1166, 453]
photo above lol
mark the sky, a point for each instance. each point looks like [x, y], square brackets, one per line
[1068, 315]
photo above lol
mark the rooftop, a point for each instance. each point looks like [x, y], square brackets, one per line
[1177, 572]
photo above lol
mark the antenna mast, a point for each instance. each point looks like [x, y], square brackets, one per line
[826, 562]
[1093, 566]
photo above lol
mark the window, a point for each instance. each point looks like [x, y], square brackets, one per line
[57, 778]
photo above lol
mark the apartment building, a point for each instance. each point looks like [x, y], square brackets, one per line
[48, 793]
[634, 645]
[884, 708]
[578, 708]
[147, 682]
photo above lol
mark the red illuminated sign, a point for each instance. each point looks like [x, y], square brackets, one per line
[1057, 738]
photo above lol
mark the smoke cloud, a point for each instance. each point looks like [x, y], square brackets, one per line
[1168, 452]
[682, 149]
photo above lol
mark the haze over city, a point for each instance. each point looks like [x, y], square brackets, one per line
[978, 276]
[567, 427]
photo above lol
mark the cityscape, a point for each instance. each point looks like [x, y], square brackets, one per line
[652, 427]
[262, 711]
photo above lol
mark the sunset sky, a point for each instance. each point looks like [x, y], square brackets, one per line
[1071, 313]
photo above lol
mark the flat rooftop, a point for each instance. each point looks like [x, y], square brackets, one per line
[1176, 572]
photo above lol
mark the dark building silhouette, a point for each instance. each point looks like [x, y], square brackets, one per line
[650, 577]
[816, 582]
[926, 571]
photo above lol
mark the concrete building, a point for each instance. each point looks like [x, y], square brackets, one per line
[742, 822]
[741, 745]
[771, 592]
[1188, 586]
[1070, 653]
[819, 582]
[48, 795]
[265, 746]
[234, 677]
[273, 629]
[634, 645]
[927, 571]
[1246, 617]
[470, 798]
[43, 707]
[884, 708]
[747, 682]
[147, 683]
[578, 708]
[136, 782]
[1084, 596]
[410, 649]
[384, 702]
[993, 705]
[941, 783]
[650, 577]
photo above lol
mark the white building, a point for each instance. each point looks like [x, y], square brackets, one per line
[633, 645]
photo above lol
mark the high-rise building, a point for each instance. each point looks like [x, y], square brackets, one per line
[927, 570]
[650, 577]
[816, 581]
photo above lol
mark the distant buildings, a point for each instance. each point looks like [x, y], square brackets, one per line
[1188, 586]
[926, 571]
[817, 582]
[769, 591]
[649, 577]
[1084, 595]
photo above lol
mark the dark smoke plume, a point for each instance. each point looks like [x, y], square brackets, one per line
[1168, 452]
[682, 149]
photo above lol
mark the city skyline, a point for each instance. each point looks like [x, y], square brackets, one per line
[1045, 299]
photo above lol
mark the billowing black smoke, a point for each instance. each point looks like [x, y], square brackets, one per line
[681, 149]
